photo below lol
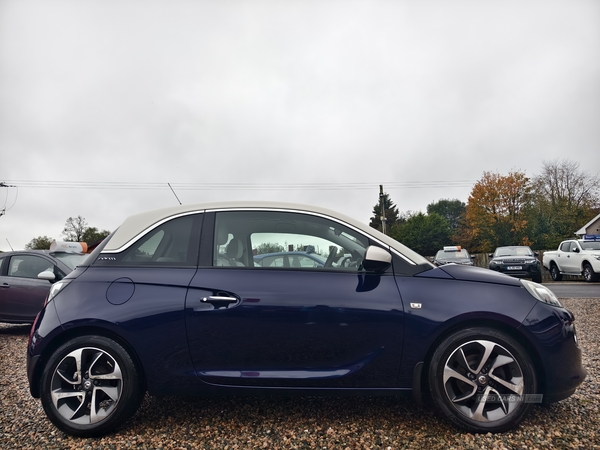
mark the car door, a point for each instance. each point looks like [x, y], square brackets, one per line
[572, 260]
[280, 326]
[22, 293]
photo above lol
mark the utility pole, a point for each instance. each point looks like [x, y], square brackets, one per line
[382, 203]
[3, 210]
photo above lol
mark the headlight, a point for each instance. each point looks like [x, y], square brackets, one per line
[542, 293]
[530, 261]
[57, 287]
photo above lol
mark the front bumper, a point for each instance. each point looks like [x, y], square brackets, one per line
[519, 270]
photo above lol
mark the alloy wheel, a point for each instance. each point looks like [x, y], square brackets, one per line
[86, 386]
[483, 381]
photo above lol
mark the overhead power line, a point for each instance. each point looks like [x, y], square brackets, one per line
[390, 185]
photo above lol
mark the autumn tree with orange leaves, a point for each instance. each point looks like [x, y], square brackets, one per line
[496, 212]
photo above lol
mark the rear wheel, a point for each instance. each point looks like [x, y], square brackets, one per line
[555, 273]
[588, 273]
[480, 380]
[90, 386]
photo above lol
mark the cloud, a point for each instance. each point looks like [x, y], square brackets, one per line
[282, 93]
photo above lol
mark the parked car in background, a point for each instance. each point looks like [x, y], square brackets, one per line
[289, 259]
[517, 261]
[173, 303]
[575, 257]
[25, 280]
[453, 254]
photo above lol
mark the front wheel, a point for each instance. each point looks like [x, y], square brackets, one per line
[555, 273]
[90, 386]
[481, 380]
[588, 273]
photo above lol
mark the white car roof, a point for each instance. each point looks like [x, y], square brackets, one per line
[138, 224]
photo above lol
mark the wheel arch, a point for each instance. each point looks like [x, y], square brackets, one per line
[588, 262]
[514, 333]
[593, 275]
[79, 331]
[559, 273]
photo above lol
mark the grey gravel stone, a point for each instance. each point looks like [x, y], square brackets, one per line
[302, 422]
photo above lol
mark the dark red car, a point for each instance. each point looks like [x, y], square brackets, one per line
[25, 279]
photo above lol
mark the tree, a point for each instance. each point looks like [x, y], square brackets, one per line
[496, 211]
[564, 199]
[563, 184]
[451, 210]
[92, 234]
[391, 213]
[39, 243]
[425, 234]
[269, 247]
[74, 229]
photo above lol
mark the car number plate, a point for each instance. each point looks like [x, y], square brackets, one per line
[514, 267]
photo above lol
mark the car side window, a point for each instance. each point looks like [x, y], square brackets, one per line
[173, 243]
[282, 240]
[271, 261]
[565, 247]
[28, 266]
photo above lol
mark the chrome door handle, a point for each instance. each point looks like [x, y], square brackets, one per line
[218, 298]
[220, 301]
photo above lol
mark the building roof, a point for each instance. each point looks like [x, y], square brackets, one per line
[583, 229]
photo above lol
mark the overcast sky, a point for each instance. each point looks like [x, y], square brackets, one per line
[102, 103]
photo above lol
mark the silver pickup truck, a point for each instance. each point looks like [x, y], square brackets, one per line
[574, 257]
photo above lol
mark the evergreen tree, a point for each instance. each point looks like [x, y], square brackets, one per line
[391, 213]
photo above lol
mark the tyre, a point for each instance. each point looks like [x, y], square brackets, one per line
[90, 386]
[480, 380]
[555, 273]
[588, 273]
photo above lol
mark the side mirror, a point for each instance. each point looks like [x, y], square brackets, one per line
[47, 275]
[576, 249]
[490, 255]
[377, 259]
[536, 254]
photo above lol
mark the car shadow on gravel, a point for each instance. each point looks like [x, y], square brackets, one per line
[15, 330]
[278, 414]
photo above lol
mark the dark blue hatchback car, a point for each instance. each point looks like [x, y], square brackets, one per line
[172, 303]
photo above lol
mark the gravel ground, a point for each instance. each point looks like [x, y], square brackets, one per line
[302, 422]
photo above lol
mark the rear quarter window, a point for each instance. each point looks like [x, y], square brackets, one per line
[173, 243]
